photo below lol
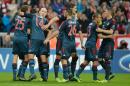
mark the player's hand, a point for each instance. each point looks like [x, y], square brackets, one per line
[99, 30]
[46, 41]
[45, 27]
[7, 38]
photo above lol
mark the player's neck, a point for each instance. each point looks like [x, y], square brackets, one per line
[69, 17]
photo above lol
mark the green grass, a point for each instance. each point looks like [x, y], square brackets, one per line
[119, 80]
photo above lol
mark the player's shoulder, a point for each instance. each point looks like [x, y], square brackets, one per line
[92, 24]
[61, 16]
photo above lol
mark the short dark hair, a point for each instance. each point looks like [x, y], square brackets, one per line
[24, 8]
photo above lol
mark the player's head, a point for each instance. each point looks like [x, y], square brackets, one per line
[24, 8]
[42, 12]
[97, 18]
[106, 14]
[73, 7]
[69, 13]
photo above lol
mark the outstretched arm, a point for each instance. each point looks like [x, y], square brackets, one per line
[81, 38]
[45, 27]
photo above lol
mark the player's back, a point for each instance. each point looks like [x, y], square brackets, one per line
[37, 23]
[21, 27]
[92, 35]
[69, 28]
[107, 25]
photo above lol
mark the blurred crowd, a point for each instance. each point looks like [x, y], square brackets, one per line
[85, 9]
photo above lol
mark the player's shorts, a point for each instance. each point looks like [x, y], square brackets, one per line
[90, 54]
[58, 46]
[20, 45]
[37, 46]
[106, 50]
[68, 48]
[21, 55]
[45, 50]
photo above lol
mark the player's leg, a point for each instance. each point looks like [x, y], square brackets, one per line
[94, 69]
[44, 64]
[66, 52]
[101, 55]
[40, 65]
[73, 63]
[56, 65]
[92, 52]
[44, 51]
[15, 58]
[21, 56]
[24, 52]
[24, 67]
[58, 57]
[14, 66]
[108, 58]
[65, 69]
[34, 47]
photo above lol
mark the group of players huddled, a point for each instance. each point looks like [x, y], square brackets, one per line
[33, 32]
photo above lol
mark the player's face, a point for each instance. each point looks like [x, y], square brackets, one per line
[74, 9]
[99, 19]
[104, 14]
[43, 12]
[65, 13]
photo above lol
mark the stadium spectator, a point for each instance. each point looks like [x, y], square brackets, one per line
[123, 45]
[58, 6]
[51, 14]
[106, 1]
[45, 3]
[81, 6]
[6, 19]
[127, 13]
[84, 22]
[3, 7]
[121, 22]
[13, 7]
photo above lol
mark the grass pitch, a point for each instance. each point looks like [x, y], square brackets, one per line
[119, 80]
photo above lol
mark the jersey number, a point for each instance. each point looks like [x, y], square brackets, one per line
[19, 25]
[72, 30]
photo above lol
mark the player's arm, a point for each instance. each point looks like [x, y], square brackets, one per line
[110, 32]
[81, 38]
[51, 35]
[53, 20]
[54, 33]
[7, 37]
[105, 36]
[80, 33]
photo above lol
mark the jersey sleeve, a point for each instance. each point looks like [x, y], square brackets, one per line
[13, 21]
[61, 17]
